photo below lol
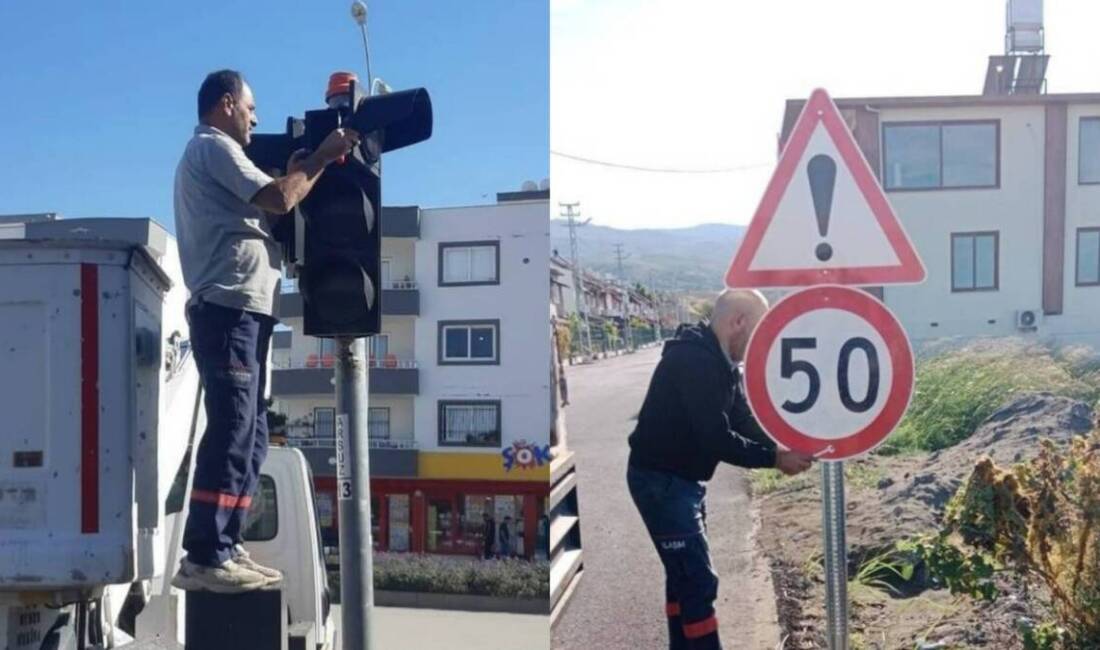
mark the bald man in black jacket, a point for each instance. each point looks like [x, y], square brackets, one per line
[695, 416]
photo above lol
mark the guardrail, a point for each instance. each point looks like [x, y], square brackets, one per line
[373, 442]
[290, 285]
[566, 561]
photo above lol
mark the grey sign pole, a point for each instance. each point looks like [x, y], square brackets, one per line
[353, 493]
[836, 553]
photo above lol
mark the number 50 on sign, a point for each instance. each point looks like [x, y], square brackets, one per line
[829, 372]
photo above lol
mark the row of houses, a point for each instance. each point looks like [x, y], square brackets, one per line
[458, 415]
[618, 314]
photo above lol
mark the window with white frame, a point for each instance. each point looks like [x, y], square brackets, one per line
[469, 263]
[469, 423]
[469, 342]
[324, 422]
[1088, 151]
[941, 155]
[378, 422]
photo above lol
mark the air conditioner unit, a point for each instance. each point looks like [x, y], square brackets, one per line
[1028, 319]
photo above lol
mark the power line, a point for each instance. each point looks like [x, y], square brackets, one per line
[660, 170]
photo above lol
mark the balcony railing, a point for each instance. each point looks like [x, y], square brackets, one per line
[290, 285]
[389, 361]
[372, 441]
[400, 285]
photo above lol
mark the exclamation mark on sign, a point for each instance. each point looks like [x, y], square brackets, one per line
[822, 172]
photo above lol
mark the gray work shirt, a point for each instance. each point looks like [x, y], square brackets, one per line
[228, 254]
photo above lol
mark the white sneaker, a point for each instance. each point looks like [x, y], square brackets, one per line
[241, 557]
[228, 578]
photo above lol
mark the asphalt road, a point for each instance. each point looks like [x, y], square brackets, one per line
[620, 600]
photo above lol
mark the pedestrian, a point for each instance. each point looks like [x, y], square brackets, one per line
[225, 208]
[695, 416]
[506, 537]
[488, 533]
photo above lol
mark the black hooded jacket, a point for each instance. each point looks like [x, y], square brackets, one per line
[695, 415]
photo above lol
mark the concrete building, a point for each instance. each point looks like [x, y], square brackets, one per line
[1000, 194]
[459, 377]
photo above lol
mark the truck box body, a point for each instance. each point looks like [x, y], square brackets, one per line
[90, 370]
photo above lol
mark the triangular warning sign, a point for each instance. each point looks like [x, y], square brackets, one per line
[824, 218]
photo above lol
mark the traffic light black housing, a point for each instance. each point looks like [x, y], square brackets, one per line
[337, 244]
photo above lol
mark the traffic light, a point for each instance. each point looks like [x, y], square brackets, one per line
[336, 243]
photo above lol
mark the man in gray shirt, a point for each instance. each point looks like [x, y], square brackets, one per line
[224, 209]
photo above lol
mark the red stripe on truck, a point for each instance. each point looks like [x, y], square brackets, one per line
[89, 398]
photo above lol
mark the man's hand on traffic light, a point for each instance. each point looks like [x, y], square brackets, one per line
[337, 144]
[792, 462]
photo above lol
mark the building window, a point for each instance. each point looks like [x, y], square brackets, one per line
[324, 422]
[469, 424]
[386, 277]
[1088, 151]
[974, 261]
[441, 532]
[469, 342]
[379, 348]
[941, 155]
[469, 263]
[378, 422]
[1088, 257]
[262, 524]
[398, 525]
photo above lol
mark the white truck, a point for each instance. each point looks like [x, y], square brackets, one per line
[100, 405]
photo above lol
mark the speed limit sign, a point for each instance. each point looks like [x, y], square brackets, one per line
[829, 372]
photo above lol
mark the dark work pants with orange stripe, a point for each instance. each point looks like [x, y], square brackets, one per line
[674, 512]
[230, 347]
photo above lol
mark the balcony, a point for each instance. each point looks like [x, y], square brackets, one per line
[399, 298]
[316, 376]
[388, 458]
[401, 221]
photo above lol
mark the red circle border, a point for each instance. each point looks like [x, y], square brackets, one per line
[878, 316]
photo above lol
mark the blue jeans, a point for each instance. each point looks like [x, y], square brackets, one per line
[230, 347]
[674, 512]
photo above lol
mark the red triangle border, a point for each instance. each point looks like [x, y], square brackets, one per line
[909, 271]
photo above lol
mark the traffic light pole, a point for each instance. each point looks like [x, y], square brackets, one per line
[353, 493]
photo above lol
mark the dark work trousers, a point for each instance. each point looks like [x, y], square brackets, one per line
[230, 347]
[674, 512]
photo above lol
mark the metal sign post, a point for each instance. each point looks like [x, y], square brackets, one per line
[353, 493]
[836, 553]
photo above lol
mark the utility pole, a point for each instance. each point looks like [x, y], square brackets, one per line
[571, 211]
[657, 304]
[626, 306]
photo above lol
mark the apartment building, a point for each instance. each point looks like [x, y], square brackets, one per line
[459, 417]
[1000, 194]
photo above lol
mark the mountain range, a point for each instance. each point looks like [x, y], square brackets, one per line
[691, 259]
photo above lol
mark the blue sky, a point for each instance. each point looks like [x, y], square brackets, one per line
[99, 97]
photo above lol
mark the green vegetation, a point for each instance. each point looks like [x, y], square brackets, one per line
[446, 575]
[957, 390]
[511, 578]
[1039, 519]
[766, 481]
